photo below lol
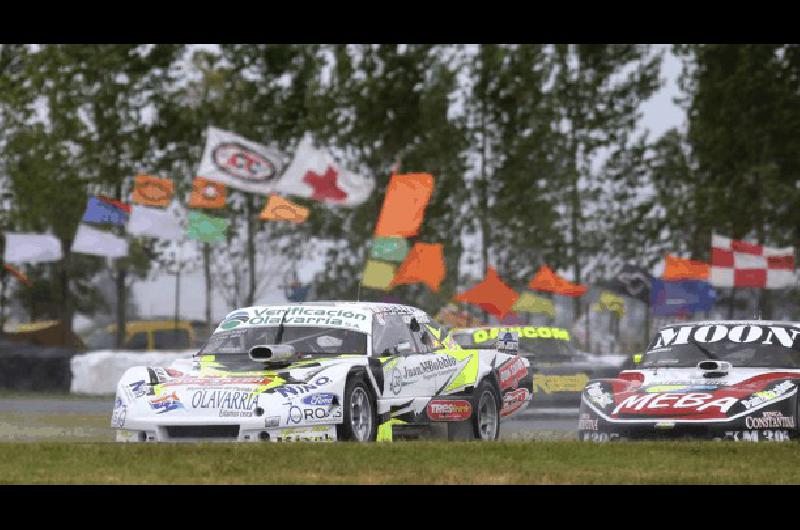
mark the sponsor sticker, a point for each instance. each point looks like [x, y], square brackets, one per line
[317, 433]
[449, 410]
[118, 415]
[224, 399]
[166, 403]
[759, 398]
[598, 395]
[769, 419]
[511, 372]
[514, 400]
[320, 399]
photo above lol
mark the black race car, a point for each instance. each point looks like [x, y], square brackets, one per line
[559, 371]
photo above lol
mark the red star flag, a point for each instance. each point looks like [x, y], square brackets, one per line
[314, 174]
[492, 295]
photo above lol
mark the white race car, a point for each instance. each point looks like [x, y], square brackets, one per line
[324, 371]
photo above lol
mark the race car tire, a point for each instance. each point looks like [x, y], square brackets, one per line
[486, 412]
[360, 422]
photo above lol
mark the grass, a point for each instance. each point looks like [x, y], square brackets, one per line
[512, 462]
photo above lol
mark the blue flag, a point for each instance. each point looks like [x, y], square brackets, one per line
[102, 210]
[298, 293]
[681, 298]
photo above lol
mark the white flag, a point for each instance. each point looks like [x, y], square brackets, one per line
[315, 174]
[90, 240]
[154, 222]
[230, 159]
[31, 248]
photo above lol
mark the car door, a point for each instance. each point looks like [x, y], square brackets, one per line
[406, 373]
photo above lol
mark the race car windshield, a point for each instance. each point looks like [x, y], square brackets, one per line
[541, 347]
[305, 340]
[762, 346]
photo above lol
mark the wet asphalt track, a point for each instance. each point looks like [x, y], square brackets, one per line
[559, 422]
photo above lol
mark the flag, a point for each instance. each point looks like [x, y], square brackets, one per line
[547, 280]
[207, 194]
[279, 209]
[152, 191]
[90, 240]
[102, 210]
[632, 281]
[403, 209]
[425, 264]
[741, 264]
[389, 249]
[206, 228]
[676, 268]
[680, 298]
[531, 303]
[22, 247]
[18, 274]
[154, 222]
[314, 174]
[240, 163]
[492, 295]
[378, 275]
[610, 302]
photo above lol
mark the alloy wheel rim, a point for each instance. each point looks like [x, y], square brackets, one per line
[360, 414]
[487, 417]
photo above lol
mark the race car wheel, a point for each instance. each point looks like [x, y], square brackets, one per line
[486, 415]
[359, 423]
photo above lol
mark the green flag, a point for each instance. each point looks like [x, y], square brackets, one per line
[389, 249]
[206, 228]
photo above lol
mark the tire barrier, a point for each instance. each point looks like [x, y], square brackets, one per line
[98, 372]
[35, 368]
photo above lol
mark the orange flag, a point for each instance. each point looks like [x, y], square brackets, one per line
[404, 205]
[685, 269]
[547, 280]
[152, 191]
[280, 209]
[424, 263]
[492, 295]
[207, 194]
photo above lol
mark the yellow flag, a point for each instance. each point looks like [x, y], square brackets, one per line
[378, 275]
[610, 302]
[531, 303]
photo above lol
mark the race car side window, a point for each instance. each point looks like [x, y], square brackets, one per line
[391, 336]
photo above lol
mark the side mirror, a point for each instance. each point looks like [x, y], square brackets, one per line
[508, 342]
[413, 325]
[265, 353]
[403, 348]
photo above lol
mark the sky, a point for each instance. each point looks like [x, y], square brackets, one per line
[157, 297]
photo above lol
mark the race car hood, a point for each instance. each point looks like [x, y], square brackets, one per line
[686, 395]
[221, 387]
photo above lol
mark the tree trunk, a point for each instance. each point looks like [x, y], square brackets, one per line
[121, 302]
[3, 284]
[207, 274]
[66, 296]
[251, 251]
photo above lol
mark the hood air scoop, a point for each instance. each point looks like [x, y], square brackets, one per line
[712, 369]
